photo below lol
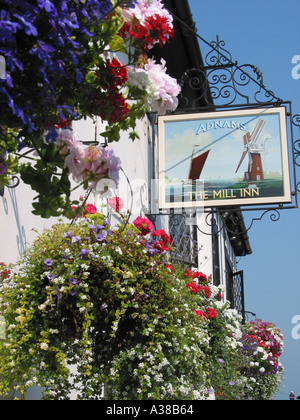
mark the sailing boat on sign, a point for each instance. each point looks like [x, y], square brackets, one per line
[197, 165]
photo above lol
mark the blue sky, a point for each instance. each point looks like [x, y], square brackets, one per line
[267, 35]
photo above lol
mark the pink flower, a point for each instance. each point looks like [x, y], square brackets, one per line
[144, 225]
[161, 89]
[143, 9]
[112, 164]
[90, 209]
[168, 87]
[116, 203]
[66, 139]
[88, 163]
[75, 161]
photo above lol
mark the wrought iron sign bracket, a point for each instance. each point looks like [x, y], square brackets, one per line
[223, 85]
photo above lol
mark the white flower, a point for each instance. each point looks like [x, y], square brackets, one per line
[143, 9]
[162, 90]
[44, 346]
[119, 250]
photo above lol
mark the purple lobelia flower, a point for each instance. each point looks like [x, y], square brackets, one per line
[48, 262]
[84, 252]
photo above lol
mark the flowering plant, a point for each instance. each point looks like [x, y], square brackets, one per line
[115, 203]
[143, 224]
[60, 68]
[243, 359]
[147, 23]
[4, 272]
[4, 275]
[86, 164]
[160, 91]
[262, 347]
[92, 304]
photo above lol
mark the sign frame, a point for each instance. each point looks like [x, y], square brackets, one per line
[200, 144]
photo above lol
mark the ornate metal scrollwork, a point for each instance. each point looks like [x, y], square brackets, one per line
[231, 221]
[223, 84]
[296, 123]
[224, 81]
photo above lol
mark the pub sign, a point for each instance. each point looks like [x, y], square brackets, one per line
[226, 158]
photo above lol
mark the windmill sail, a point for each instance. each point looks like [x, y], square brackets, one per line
[246, 138]
[197, 165]
[258, 129]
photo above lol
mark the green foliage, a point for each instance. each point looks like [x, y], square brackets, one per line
[93, 297]
[52, 81]
[90, 304]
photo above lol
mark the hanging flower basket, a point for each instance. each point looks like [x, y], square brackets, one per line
[60, 67]
[91, 304]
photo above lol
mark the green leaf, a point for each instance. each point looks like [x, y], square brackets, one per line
[117, 44]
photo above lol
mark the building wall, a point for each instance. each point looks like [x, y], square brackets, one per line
[215, 255]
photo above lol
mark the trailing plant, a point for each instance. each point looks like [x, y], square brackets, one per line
[60, 67]
[92, 304]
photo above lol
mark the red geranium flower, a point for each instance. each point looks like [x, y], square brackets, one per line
[156, 29]
[143, 224]
[196, 275]
[163, 244]
[200, 313]
[212, 313]
[169, 267]
[4, 272]
[118, 71]
[159, 29]
[193, 287]
[206, 290]
[90, 209]
[109, 103]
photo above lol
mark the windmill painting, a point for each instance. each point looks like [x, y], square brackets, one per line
[224, 159]
[254, 153]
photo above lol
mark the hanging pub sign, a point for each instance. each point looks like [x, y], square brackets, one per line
[226, 158]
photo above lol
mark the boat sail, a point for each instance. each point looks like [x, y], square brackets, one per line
[197, 165]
